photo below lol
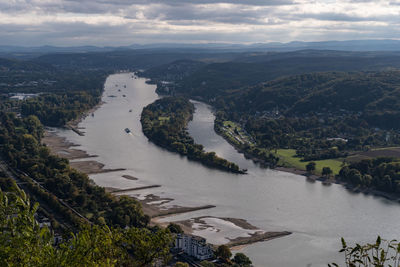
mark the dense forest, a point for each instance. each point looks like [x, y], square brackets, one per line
[59, 95]
[379, 173]
[131, 59]
[23, 242]
[323, 115]
[164, 122]
[21, 148]
[215, 79]
[57, 109]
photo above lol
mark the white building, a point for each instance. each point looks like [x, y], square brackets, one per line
[194, 246]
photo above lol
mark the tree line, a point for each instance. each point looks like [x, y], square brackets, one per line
[381, 173]
[164, 122]
[24, 243]
[22, 149]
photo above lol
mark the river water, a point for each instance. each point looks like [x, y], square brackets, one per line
[317, 215]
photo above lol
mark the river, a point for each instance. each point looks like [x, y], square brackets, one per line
[318, 215]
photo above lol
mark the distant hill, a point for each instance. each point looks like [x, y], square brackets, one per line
[18, 65]
[174, 71]
[375, 96]
[130, 59]
[349, 45]
[217, 79]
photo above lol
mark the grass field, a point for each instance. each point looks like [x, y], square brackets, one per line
[289, 160]
[393, 152]
[232, 125]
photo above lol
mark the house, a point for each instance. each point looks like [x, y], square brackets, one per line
[194, 246]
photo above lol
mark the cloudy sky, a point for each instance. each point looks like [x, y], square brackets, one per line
[125, 22]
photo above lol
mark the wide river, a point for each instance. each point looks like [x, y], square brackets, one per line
[317, 215]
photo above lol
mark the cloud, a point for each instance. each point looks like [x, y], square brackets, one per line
[123, 22]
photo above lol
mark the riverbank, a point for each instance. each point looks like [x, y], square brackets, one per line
[310, 177]
[73, 124]
[234, 232]
[350, 187]
[160, 208]
[60, 146]
[237, 145]
[152, 205]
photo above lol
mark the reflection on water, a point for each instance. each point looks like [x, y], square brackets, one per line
[317, 215]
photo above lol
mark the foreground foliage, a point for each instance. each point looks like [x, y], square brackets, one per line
[379, 254]
[24, 243]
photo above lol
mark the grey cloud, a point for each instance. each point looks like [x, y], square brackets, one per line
[150, 21]
[186, 13]
[332, 16]
[143, 32]
[108, 6]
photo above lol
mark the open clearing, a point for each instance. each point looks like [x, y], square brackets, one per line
[288, 159]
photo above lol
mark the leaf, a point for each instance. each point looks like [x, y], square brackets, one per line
[344, 245]
[378, 241]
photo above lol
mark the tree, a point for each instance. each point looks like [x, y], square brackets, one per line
[147, 246]
[310, 167]
[207, 264]
[242, 260]
[223, 252]
[326, 171]
[355, 176]
[24, 243]
[181, 264]
[174, 228]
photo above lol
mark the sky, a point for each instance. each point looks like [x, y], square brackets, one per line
[126, 22]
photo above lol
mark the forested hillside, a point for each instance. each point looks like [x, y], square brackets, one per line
[220, 79]
[325, 106]
[23, 242]
[371, 96]
[131, 59]
[21, 149]
[59, 95]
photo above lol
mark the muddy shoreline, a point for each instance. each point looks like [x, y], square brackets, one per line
[246, 233]
[65, 149]
[155, 207]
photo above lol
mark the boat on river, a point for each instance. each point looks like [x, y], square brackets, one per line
[127, 130]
